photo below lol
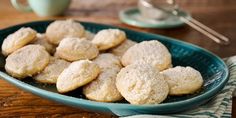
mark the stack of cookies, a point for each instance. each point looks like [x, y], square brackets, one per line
[108, 66]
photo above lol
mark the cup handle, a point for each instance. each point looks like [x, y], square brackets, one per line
[20, 7]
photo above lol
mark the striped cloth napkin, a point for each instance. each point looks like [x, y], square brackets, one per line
[218, 107]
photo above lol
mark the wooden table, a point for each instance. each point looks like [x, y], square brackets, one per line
[218, 14]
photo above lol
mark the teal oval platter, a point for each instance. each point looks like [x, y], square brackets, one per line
[214, 71]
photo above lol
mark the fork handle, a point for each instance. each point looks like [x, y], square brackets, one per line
[215, 36]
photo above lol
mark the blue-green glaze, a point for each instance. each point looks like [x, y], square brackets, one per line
[212, 68]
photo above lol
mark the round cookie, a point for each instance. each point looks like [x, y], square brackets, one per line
[141, 83]
[17, 40]
[107, 60]
[77, 74]
[60, 29]
[108, 38]
[122, 48]
[73, 49]
[27, 61]
[89, 35]
[41, 40]
[103, 88]
[183, 80]
[151, 52]
[50, 74]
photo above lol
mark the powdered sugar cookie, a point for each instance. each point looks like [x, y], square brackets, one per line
[183, 80]
[60, 29]
[151, 52]
[108, 38]
[52, 71]
[103, 88]
[89, 35]
[27, 61]
[107, 60]
[73, 49]
[141, 83]
[77, 74]
[17, 40]
[122, 48]
[41, 40]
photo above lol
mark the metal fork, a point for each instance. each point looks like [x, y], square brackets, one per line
[215, 36]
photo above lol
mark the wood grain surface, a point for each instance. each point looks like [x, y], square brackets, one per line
[217, 14]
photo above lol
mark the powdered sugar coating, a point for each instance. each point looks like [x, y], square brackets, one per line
[103, 88]
[183, 80]
[122, 48]
[89, 35]
[52, 71]
[150, 52]
[41, 40]
[27, 61]
[108, 38]
[73, 49]
[107, 60]
[60, 29]
[76, 75]
[141, 83]
[17, 40]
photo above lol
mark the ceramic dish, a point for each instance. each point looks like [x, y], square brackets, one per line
[133, 17]
[212, 68]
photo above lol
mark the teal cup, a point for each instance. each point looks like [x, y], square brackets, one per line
[43, 7]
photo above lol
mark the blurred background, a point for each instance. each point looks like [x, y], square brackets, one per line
[217, 14]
